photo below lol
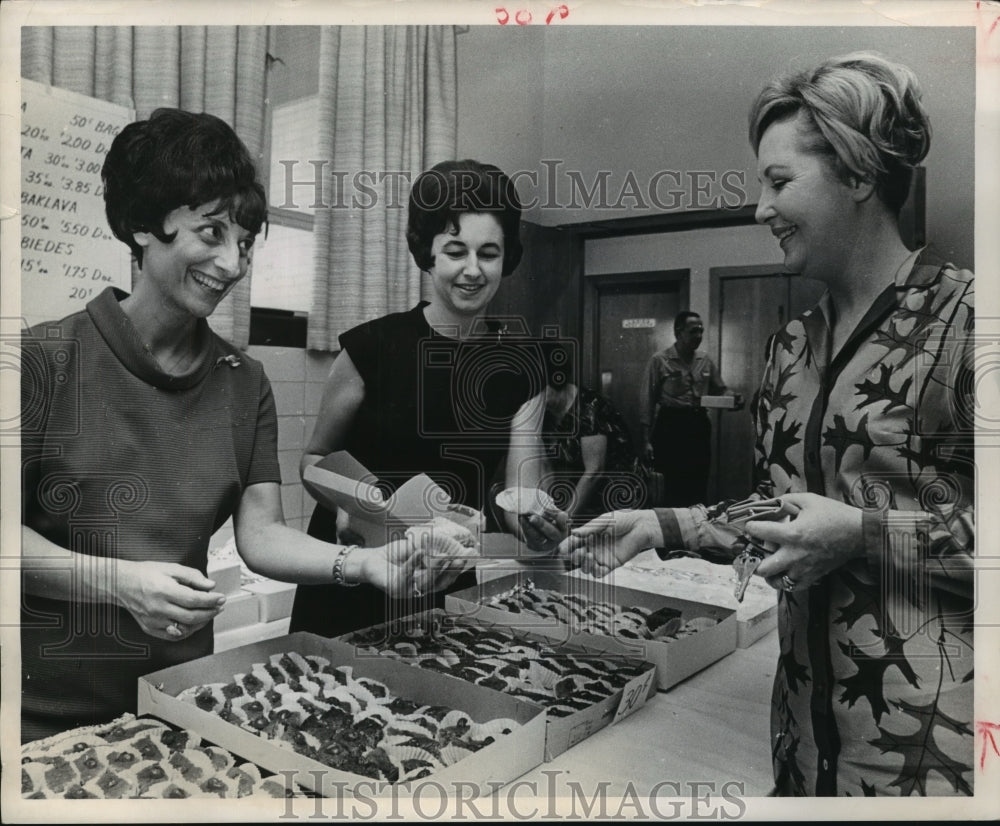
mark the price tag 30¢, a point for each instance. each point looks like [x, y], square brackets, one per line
[634, 694]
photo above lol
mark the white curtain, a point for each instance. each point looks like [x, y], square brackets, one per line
[387, 103]
[215, 69]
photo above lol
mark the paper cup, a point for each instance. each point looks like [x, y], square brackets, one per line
[524, 501]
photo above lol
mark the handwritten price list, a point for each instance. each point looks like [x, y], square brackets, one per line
[68, 254]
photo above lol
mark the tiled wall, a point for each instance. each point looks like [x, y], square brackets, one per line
[297, 379]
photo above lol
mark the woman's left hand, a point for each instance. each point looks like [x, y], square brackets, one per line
[822, 536]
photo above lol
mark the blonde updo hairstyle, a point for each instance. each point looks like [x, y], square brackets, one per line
[863, 114]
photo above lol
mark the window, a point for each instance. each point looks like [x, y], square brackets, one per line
[283, 263]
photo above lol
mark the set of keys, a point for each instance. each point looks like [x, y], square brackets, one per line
[754, 552]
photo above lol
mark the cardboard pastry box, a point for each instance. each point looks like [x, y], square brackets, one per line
[561, 732]
[721, 402]
[341, 481]
[275, 599]
[499, 763]
[675, 659]
[225, 573]
[703, 581]
[241, 609]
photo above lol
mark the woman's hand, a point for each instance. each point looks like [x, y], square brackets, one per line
[408, 568]
[442, 560]
[822, 536]
[169, 601]
[543, 532]
[611, 540]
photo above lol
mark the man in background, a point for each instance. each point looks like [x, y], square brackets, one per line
[676, 430]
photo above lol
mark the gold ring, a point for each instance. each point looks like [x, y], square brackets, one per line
[174, 629]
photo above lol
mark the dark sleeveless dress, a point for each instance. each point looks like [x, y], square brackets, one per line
[432, 405]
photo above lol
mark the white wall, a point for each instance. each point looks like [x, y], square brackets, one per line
[650, 99]
[698, 250]
[695, 250]
[501, 88]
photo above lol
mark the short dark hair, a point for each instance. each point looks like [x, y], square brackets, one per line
[682, 318]
[175, 159]
[863, 115]
[451, 188]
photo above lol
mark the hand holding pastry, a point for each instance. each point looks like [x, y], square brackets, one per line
[543, 526]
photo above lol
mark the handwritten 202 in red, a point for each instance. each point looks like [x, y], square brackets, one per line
[523, 16]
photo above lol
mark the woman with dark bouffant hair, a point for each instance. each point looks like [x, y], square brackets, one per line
[145, 432]
[436, 389]
[864, 432]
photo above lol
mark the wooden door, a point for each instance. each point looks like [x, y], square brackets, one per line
[632, 318]
[751, 304]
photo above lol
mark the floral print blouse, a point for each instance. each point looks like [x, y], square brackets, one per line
[873, 693]
[619, 482]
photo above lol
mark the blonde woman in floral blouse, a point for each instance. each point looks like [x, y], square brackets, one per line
[863, 428]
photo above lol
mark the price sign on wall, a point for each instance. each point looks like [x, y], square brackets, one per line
[68, 254]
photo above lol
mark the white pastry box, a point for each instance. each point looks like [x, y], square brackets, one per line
[341, 481]
[224, 570]
[718, 402]
[562, 732]
[241, 609]
[494, 765]
[675, 659]
[274, 599]
[704, 581]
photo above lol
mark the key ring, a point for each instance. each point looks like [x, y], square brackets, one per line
[755, 547]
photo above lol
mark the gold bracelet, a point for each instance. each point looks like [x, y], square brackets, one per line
[338, 567]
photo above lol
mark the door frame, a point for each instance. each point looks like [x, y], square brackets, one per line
[651, 224]
[592, 286]
[716, 277]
